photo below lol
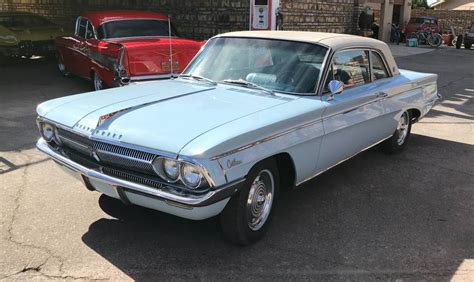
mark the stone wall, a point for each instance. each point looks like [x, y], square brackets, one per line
[316, 15]
[201, 19]
[460, 20]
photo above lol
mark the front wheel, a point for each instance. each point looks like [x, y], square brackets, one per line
[467, 45]
[398, 141]
[435, 40]
[246, 217]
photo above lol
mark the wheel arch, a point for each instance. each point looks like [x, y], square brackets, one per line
[415, 114]
[286, 168]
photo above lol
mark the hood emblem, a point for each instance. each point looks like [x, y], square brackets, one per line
[108, 116]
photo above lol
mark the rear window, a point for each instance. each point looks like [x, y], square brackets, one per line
[134, 28]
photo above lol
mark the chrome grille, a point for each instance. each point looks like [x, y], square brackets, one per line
[108, 154]
[124, 157]
[145, 180]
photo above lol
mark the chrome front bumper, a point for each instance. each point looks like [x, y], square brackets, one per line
[188, 206]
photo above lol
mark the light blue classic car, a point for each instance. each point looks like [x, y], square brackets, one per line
[254, 112]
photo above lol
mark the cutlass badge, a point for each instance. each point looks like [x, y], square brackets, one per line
[233, 162]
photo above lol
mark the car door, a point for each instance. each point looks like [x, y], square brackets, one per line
[354, 119]
[79, 46]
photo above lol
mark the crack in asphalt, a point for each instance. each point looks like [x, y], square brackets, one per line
[10, 238]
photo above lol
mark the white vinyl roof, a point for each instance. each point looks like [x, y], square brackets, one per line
[335, 41]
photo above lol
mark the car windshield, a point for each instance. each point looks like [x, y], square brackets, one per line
[472, 29]
[134, 28]
[278, 65]
[24, 21]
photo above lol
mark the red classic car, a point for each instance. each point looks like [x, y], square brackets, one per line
[114, 48]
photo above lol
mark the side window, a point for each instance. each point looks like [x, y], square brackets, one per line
[378, 68]
[89, 31]
[81, 27]
[350, 67]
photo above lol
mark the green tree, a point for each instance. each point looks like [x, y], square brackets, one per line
[420, 4]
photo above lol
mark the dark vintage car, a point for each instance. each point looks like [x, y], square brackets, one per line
[417, 23]
[27, 34]
[467, 38]
[114, 48]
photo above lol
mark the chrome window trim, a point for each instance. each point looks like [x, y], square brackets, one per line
[88, 22]
[365, 48]
[315, 93]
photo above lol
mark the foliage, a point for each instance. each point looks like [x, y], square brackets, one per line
[420, 4]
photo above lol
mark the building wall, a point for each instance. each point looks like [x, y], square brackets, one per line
[315, 15]
[456, 5]
[201, 19]
[460, 20]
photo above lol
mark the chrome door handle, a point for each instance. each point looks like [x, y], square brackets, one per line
[381, 95]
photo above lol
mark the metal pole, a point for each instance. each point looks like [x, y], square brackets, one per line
[171, 46]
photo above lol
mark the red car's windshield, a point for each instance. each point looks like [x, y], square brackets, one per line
[134, 28]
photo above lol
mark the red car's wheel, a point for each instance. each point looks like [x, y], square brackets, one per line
[62, 67]
[97, 82]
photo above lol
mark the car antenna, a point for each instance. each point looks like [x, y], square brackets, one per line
[171, 45]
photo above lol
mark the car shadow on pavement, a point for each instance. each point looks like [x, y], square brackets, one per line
[372, 217]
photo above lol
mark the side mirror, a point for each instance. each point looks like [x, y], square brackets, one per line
[335, 86]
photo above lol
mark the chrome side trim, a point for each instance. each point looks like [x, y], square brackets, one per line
[205, 199]
[323, 171]
[266, 139]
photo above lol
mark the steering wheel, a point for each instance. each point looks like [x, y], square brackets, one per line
[286, 77]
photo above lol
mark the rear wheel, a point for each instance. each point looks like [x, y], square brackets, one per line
[62, 67]
[97, 82]
[246, 217]
[398, 141]
[467, 45]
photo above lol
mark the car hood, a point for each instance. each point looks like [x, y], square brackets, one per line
[163, 115]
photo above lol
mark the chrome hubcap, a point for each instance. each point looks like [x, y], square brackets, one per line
[260, 199]
[402, 128]
[61, 66]
[97, 82]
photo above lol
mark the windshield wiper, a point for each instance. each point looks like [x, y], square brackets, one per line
[198, 77]
[248, 84]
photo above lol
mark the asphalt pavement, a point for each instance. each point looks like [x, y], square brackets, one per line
[407, 216]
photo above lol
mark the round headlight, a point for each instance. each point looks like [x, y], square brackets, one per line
[47, 131]
[171, 169]
[191, 176]
[168, 169]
